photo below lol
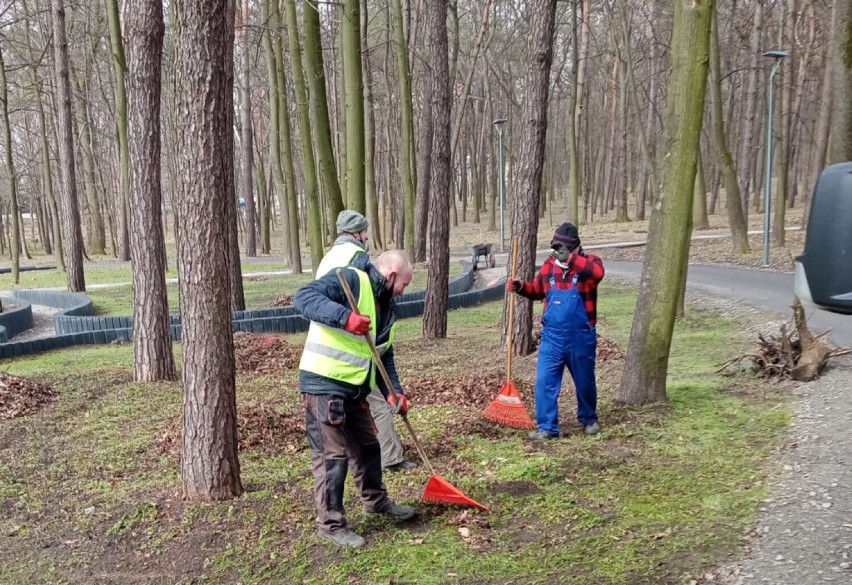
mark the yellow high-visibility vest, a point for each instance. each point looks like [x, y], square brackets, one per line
[339, 256]
[339, 355]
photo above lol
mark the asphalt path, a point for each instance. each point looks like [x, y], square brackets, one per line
[762, 289]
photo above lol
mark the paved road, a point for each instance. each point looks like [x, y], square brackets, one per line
[763, 289]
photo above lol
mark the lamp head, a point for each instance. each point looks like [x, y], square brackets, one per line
[776, 54]
[499, 121]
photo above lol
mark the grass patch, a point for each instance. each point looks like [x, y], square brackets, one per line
[663, 493]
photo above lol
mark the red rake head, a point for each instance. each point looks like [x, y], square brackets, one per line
[440, 491]
[508, 409]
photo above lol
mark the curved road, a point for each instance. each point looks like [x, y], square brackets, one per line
[763, 289]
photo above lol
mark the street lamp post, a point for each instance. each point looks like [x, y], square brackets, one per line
[501, 183]
[767, 186]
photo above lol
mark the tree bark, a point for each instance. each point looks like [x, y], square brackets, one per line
[235, 272]
[840, 145]
[152, 341]
[425, 146]
[371, 191]
[97, 236]
[315, 73]
[11, 176]
[437, 291]
[353, 83]
[646, 367]
[406, 165]
[736, 219]
[209, 464]
[525, 202]
[119, 70]
[310, 174]
[73, 234]
[246, 138]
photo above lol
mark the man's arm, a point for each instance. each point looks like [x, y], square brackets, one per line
[589, 267]
[534, 289]
[324, 300]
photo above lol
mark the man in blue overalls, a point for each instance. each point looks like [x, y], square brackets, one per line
[568, 284]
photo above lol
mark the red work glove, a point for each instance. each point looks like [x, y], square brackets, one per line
[514, 285]
[399, 403]
[357, 324]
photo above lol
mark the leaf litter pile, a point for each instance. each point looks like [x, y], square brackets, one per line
[261, 426]
[22, 396]
[264, 354]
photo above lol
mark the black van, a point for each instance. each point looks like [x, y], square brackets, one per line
[824, 270]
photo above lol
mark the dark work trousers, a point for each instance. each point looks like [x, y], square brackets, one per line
[342, 433]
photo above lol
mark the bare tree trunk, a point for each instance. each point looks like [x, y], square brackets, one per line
[119, 70]
[235, 273]
[425, 146]
[97, 236]
[209, 464]
[748, 141]
[406, 165]
[644, 377]
[370, 137]
[152, 340]
[784, 126]
[823, 126]
[525, 202]
[700, 221]
[315, 73]
[840, 145]
[73, 237]
[311, 187]
[437, 290]
[246, 138]
[736, 219]
[14, 216]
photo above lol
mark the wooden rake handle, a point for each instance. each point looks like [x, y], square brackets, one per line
[511, 327]
[384, 373]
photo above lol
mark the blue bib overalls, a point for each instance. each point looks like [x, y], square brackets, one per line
[567, 339]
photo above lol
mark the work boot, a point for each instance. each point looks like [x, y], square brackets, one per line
[343, 538]
[396, 512]
[541, 435]
[592, 429]
[401, 466]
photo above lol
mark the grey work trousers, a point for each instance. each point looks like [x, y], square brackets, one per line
[388, 437]
[342, 434]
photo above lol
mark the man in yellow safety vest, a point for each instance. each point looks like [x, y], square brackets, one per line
[337, 373]
[353, 242]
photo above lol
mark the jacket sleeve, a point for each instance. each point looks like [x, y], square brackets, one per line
[324, 300]
[534, 289]
[589, 267]
[390, 366]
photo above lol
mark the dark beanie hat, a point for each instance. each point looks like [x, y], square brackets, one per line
[350, 221]
[566, 234]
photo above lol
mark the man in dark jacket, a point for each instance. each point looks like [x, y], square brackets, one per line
[351, 245]
[336, 375]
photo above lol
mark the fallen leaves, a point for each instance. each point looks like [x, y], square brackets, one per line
[264, 427]
[21, 396]
[257, 354]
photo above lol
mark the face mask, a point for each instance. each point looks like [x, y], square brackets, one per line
[561, 253]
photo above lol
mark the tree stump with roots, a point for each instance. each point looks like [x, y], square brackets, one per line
[799, 355]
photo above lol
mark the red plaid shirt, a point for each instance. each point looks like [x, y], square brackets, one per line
[590, 271]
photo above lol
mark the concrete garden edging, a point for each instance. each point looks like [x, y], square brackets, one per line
[76, 325]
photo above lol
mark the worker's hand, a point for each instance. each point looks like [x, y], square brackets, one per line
[514, 284]
[357, 324]
[398, 403]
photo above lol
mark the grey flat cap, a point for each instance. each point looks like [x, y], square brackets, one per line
[349, 221]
